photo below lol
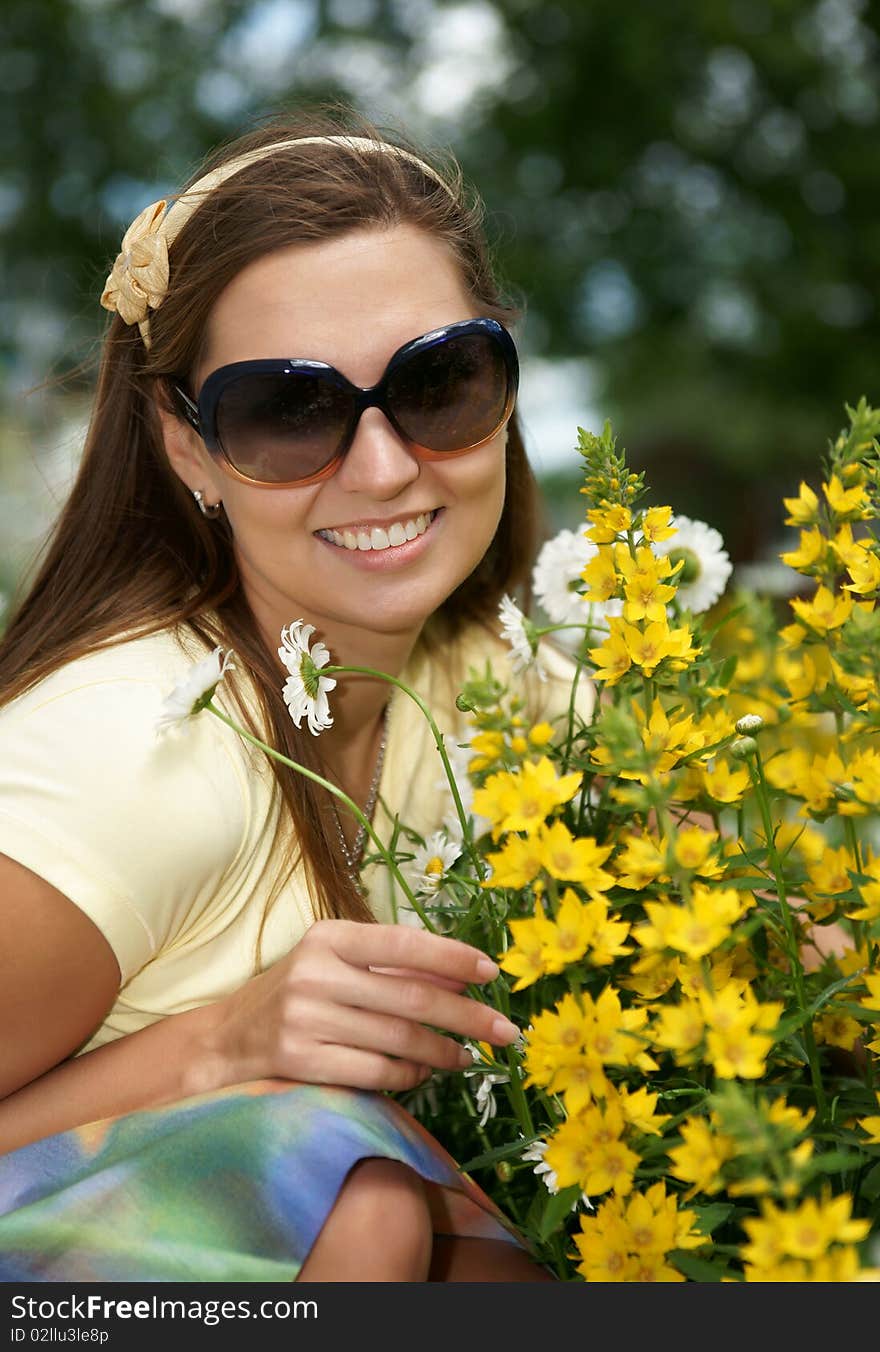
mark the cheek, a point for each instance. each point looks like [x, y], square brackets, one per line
[482, 481]
[263, 514]
[486, 496]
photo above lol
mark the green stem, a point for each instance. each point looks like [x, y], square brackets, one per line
[756, 773]
[337, 793]
[477, 862]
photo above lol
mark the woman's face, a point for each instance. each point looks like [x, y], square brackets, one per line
[351, 302]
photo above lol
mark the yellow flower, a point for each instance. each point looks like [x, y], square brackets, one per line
[804, 509]
[520, 800]
[851, 502]
[701, 1157]
[651, 975]
[487, 747]
[600, 575]
[525, 960]
[608, 523]
[647, 647]
[830, 874]
[860, 689]
[656, 524]
[640, 863]
[837, 1030]
[810, 552]
[516, 864]
[725, 785]
[845, 547]
[612, 659]
[679, 1029]
[696, 928]
[693, 848]
[540, 734]
[138, 279]
[824, 612]
[872, 1001]
[607, 939]
[588, 1150]
[872, 1126]
[806, 1231]
[869, 892]
[640, 1110]
[865, 573]
[568, 935]
[575, 860]
[788, 769]
[667, 741]
[740, 1032]
[604, 1245]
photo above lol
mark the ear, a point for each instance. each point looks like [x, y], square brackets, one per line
[185, 449]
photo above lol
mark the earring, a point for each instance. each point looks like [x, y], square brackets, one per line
[211, 510]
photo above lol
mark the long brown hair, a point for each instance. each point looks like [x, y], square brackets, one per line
[131, 554]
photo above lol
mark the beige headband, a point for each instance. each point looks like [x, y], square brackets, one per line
[138, 279]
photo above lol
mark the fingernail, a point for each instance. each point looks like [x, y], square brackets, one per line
[487, 970]
[465, 1058]
[503, 1030]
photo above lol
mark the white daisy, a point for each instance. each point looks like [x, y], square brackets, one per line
[433, 860]
[535, 1153]
[484, 1093]
[557, 582]
[305, 690]
[523, 644]
[707, 565]
[191, 694]
[556, 576]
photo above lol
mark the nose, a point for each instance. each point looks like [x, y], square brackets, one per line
[379, 463]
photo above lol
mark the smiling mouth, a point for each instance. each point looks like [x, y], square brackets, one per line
[366, 538]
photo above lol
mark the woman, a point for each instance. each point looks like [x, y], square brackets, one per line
[193, 974]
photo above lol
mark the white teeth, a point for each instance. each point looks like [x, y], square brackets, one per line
[375, 538]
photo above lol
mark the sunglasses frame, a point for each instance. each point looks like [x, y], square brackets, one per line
[201, 414]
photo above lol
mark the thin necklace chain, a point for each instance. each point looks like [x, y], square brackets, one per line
[353, 856]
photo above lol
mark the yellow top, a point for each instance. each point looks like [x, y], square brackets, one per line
[165, 841]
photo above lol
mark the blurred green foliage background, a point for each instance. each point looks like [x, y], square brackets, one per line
[683, 195]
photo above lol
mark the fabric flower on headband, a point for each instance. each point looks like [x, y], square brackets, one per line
[139, 277]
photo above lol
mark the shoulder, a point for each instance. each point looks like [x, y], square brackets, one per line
[119, 817]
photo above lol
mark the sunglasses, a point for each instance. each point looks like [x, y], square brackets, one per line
[282, 422]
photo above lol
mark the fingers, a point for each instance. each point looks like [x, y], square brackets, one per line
[444, 982]
[417, 1001]
[402, 946]
[362, 1070]
[388, 1034]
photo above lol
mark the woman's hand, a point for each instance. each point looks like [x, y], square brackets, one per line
[357, 1004]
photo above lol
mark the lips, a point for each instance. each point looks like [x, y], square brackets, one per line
[365, 538]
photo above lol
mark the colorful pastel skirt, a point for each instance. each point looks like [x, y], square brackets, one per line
[232, 1186]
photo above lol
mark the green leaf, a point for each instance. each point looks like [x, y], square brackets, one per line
[557, 1210]
[698, 1269]
[870, 1185]
[710, 1217]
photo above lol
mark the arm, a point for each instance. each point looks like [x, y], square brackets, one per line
[352, 1004]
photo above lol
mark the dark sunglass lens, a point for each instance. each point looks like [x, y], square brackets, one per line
[453, 394]
[280, 427]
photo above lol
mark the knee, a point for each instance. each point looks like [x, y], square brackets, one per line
[386, 1200]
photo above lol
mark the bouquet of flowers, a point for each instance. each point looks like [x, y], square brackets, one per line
[681, 887]
[683, 893]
